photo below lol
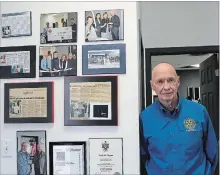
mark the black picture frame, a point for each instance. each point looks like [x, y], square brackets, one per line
[108, 109]
[36, 136]
[104, 52]
[52, 144]
[30, 119]
[6, 70]
[58, 24]
[8, 28]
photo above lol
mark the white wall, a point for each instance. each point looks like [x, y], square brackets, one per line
[182, 23]
[128, 84]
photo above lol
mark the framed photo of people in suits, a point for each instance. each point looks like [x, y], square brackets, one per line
[91, 100]
[104, 25]
[31, 152]
[56, 61]
[29, 102]
[58, 28]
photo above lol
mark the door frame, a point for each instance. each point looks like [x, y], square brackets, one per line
[149, 52]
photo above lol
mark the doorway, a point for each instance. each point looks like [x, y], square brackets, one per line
[198, 68]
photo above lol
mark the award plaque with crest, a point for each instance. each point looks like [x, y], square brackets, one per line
[106, 156]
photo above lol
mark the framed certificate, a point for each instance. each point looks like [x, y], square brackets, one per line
[90, 101]
[67, 158]
[106, 156]
[30, 102]
[18, 62]
[16, 24]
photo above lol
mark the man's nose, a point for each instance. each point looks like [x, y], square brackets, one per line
[166, 85]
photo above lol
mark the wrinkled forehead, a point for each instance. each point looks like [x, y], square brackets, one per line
[163, 75]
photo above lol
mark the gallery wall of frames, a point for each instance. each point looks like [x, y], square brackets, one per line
[88, 86]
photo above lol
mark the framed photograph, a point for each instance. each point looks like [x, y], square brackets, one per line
[18, 62]
[190, 93]
[104, 25]
[58, 28]
[67, 158]
[31, 152]
[106, 156]
[30, 102]
[90, 101]
[104, 59]
[16, 24]
[58, 61]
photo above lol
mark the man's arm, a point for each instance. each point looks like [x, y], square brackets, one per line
[210, 142]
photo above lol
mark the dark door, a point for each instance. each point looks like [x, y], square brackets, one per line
[209, 89]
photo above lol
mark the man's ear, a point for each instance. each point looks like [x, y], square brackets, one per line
[151, 83]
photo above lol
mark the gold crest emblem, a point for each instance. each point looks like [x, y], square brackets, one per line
[189, 124]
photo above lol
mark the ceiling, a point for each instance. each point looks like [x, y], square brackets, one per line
[179, 61]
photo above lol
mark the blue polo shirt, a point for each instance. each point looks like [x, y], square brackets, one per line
[181, 143]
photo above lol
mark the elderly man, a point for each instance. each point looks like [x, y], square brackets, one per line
[40, 166]
[177, 135]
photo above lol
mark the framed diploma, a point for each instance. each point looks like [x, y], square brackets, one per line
[16, 24]
[30, 102]
[106, 156]
[90, 101]
[18, 62]
[67, 158]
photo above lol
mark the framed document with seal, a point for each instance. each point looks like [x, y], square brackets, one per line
[106, 156]
[90, 101]
[30, 102]
[67, 158]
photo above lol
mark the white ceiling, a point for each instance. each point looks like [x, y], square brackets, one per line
[179, 61]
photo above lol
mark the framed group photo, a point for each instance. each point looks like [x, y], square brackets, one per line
[104, 25]
[90, 101]
[30, 102]
[58, 61]
[104, 59]
[58, 28]
[18, 62]
[16, 24]
[32, 149]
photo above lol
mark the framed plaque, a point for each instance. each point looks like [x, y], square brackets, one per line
[58, 61]
[30, 102]
[16, 24]
[106, 156]
[18, 62]
[58, 28]
[90, 101]
[104, 59]
[31, 148]
[67, 158]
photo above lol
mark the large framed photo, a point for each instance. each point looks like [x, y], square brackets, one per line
[18, 62]
[30, 102]
[16, 24]
[58, 61]
[106, 156]
[104, 25]
[31, 152]
[104, 59]
[58, 28]
[68, 158]
[90, 101]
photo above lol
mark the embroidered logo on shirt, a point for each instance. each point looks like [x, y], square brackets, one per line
[189, 124]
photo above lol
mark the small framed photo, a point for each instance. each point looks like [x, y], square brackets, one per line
[31, 152]
[90, 101]
[104, 25]
[68, 158]
[104, 59]
[30, 102]
[18, 62]
[58, 28]
[16, 24]
[58, 61]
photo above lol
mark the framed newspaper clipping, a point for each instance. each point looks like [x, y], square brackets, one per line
[67, 158]
[16, 24]
[30, 102]
[90, 101]
[18, 62]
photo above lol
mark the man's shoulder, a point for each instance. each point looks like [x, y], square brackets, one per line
[149, 110]
[192, 105]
